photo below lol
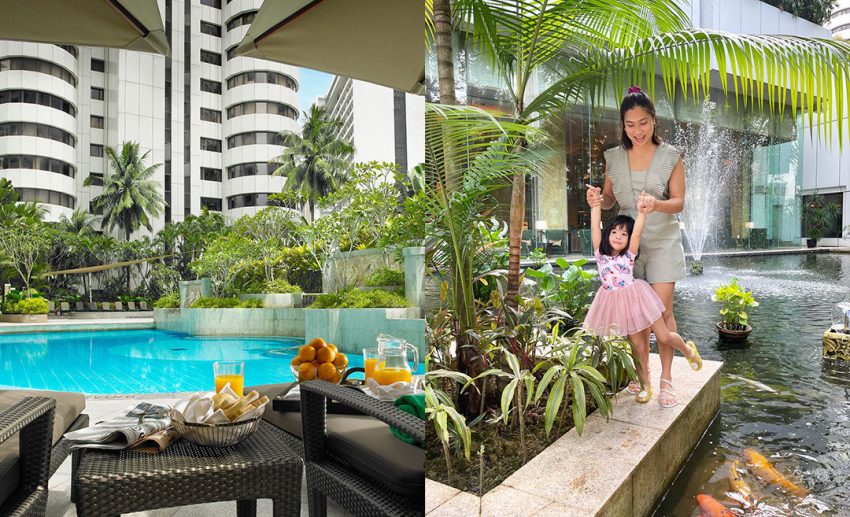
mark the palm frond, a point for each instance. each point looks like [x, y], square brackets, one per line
[766, 69]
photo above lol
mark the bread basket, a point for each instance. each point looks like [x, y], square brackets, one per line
[217, 435]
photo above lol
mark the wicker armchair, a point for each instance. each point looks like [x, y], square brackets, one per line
[330, 476]
[32, 417]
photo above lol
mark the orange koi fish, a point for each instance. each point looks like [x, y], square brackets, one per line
[763, 469]
[710, 507]
[738, 484]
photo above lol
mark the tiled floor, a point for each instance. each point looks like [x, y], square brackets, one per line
[59, 501]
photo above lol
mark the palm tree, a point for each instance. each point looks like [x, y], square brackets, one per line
[12, 210]
[129, 196]
[316, 163]
[80, 223]
[593, 46]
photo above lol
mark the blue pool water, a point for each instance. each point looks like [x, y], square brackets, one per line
[138, 361]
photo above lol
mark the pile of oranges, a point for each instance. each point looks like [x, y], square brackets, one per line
[319, 360]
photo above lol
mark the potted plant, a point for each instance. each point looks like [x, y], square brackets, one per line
[735, 302]
[818, 214]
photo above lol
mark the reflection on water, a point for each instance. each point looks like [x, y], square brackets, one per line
[803, 426]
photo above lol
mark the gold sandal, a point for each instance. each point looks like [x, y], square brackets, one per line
[695, 361]
[644, 395]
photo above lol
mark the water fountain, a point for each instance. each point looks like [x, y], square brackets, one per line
[711, 161]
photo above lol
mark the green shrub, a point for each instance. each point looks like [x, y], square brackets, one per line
[280, 286]
[216, 303]
[26, 306]
[357, 299]
[226, 303]
[169, 301]
[384, 276]
[16, 296]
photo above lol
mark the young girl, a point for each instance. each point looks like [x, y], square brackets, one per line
[625, 305]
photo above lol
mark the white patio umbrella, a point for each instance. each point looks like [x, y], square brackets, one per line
[127, 24]
[380, 41]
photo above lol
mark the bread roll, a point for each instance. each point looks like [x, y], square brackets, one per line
[241, 407]
[223, 401]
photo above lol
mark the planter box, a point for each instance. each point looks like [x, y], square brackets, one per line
[277, 322]
[622, 466]
[23, 318]
[352, 330]
[276, 300]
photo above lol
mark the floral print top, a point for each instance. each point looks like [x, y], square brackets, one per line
[616, 272]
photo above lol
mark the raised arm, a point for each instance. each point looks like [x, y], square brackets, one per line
[605, 195]
[595, 223]
[608, 199]
[634, 240]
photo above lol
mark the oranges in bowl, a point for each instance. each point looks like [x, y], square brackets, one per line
[319, 360]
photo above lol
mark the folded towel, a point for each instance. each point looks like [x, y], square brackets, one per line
[415, 405]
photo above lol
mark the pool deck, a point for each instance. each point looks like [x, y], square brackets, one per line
[59, 499]
[74, 325]
[622, 466]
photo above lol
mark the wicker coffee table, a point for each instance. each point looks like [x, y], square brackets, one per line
[267, 465]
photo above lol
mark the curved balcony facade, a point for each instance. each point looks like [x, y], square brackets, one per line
[38, 123]
[259, 97]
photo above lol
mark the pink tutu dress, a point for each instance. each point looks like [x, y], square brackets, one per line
[623, 305]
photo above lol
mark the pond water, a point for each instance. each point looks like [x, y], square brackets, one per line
[803, 428]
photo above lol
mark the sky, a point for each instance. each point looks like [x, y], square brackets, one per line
[312, 85]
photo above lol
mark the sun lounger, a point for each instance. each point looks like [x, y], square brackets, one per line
[143, 306]
[79, 306]
[119, 306]
[41, 417]
[64, 307]
[92, 306]
[131, 306]
[353, 458]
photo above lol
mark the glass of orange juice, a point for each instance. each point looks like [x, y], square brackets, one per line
[232, 372]
[370, 360]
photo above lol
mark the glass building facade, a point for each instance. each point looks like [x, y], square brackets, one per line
[743, 166]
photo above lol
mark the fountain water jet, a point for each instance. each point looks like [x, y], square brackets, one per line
[711, 160]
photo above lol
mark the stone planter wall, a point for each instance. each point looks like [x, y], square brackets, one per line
[276, 300]
[352, 330]
[23, 318]
[278, 322]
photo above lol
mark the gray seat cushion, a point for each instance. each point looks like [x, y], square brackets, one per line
[364, 443]
[68, 407]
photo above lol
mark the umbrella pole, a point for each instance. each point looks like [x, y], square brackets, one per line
[90, 287]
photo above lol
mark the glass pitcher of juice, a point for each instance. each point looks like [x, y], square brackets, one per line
[392, 364]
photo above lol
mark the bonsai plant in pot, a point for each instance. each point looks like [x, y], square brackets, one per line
[818, 214]
[734, 303]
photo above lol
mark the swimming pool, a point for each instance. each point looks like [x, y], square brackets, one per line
[138, 361]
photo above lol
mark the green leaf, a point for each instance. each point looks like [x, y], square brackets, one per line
[553, 404]
[579, 403]
[508, 398]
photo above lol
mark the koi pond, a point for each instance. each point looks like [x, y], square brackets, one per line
[781, 403]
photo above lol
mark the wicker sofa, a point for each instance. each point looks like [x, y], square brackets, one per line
[32, 423]
[353, 458]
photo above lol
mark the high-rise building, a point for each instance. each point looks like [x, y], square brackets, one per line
[210, 118]
[839, 21]
[383, 124]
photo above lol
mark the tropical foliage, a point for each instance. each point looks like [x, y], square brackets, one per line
[315, 163]
[734, 304]
[130, 196]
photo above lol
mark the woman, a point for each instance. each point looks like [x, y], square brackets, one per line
[644, 172]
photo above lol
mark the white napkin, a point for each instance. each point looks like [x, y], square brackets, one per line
[198, 409]
[390, 391]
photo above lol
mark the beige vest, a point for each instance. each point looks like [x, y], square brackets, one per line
[657, 175]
